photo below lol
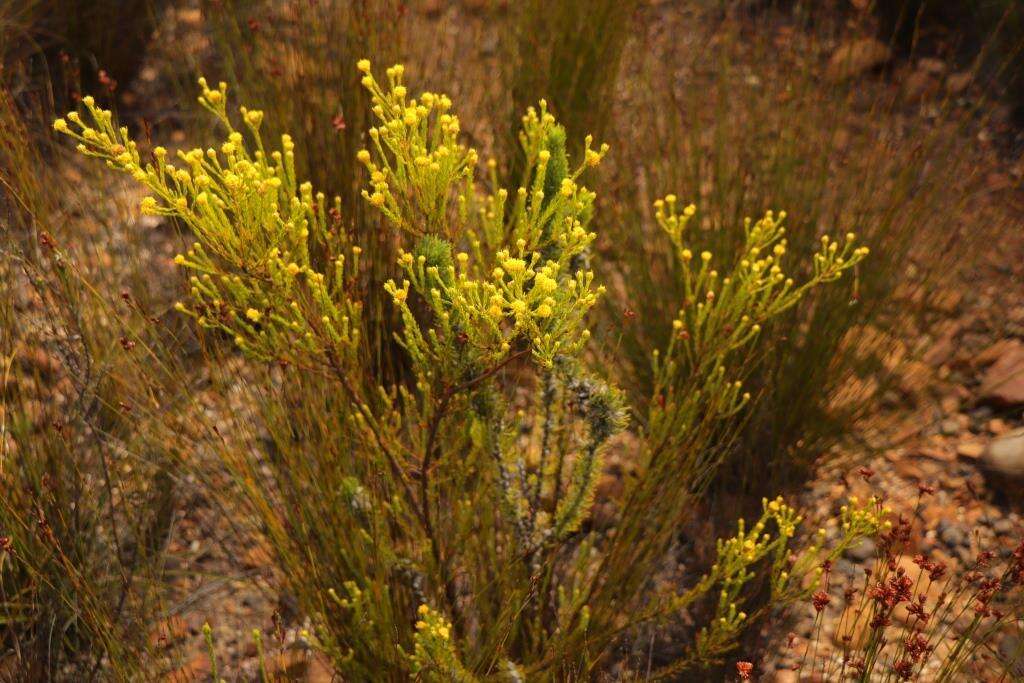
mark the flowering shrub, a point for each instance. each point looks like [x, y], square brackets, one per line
[917, 620]
[442, 525]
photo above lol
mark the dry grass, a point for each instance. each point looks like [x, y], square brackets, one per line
[85, 448]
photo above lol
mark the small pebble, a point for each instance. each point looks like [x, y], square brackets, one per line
[863, 551]
[953, 535]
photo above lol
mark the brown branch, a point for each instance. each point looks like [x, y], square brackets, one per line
[426, 466]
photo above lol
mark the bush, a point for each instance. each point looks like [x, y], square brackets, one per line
[87, 500]
[295, 61]
[910, 619]
[738, 128]
[442, 525]
[569, 54]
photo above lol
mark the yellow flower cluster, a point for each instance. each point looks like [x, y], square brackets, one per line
[417, 159]
[521, 298]
[724, 311]
[728, 309]
[520, 283]
[551, 208]
[269, 262]
[434, 657]
[432, 624]
[864, 520]
[749, 546]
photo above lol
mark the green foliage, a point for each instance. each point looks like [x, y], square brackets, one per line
[294, 60]
[442, 525]
[751, 129]
[427, 433]
[568, 53]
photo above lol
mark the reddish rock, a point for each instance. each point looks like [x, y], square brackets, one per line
[298, 667]
[197, 669]
[914, 377]
[919, 86]
[169, 632]
[958, 82]
[946, 300]
[38, 361]
[432, 8]
[939, 352]
[950, 404]
[995, 351]
[857, 57]
[931, 65]
[936, 452]
[1003, 462]
[970, 450]
[1003, 382]
[997, 426]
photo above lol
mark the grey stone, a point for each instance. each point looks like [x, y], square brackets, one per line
[953, 535]
[845, 567]
[950, 427]
[863, 551]
[1004, 526]
[981, 413]
[1003, 462]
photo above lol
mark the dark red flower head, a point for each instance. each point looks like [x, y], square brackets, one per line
[820, 600]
